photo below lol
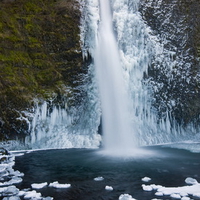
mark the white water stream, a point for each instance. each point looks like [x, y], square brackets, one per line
[115, 103]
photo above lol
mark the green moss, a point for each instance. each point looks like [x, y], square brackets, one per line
[31, 7]
[38, 52]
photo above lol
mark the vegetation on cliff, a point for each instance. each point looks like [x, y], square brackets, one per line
[40, 55]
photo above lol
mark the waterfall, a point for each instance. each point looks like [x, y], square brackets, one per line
[117, 130]
[135, 106]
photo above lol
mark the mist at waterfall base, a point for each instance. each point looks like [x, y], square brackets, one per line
[96, 176]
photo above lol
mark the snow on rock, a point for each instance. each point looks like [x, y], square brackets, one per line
[126, 197]
[146, 179]
[191, 181]
[58, 185]
[100, 178]
[110, 188]
[38, 185]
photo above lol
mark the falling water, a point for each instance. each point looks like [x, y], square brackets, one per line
[117, 129]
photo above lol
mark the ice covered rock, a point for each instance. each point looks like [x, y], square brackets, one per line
[99, 178]
[38, 185]
[191, 181]
[58, 185]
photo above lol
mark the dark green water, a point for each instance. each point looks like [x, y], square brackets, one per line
[165, 166]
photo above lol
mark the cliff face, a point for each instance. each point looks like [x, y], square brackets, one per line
[40, 56]
[177, 24]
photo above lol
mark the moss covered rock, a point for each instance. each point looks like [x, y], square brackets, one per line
[39, 53]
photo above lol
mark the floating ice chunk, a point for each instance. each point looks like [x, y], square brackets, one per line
[58, 185]
[126, 197]
[176, 192]
[32, 195]
[159, 194]
[191, 181]
[15, 180]
[110, 188]
[47, 198]
[2, 189]
[11, 198]
[185, 198]
[197, 195]
[175, 196]
[2, 169]
[100, 178]
[21, 193]
[38, 185]
[155, 187]
[147, 187]
[18, 173]
[184, 194]
[146, 179]
[10, 191]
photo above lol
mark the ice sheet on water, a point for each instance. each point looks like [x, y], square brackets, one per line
[58, 185]
[38, 185]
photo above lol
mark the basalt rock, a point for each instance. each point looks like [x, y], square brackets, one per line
[176, 24]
